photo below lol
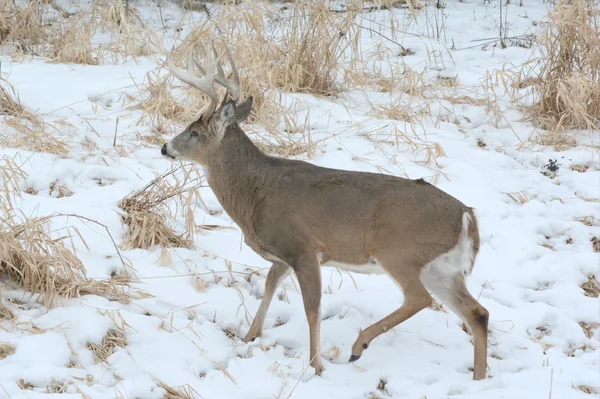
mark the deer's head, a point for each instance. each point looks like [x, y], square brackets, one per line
[202, 137]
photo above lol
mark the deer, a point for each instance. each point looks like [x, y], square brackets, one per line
[299, 217]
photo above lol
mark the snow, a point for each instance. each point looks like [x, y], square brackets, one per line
[533, 257]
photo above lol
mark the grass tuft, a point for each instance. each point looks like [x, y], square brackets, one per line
[591, 287]
[148, 210]
[6, 350]
[113, 338]
[565, 78]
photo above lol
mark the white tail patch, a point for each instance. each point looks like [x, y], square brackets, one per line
[466, 244]
[459, 260]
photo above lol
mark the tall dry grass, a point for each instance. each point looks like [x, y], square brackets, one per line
[22, 25]
[73, 43]
[149, 211]
[39, 261]
[301, 50]
[565, 78]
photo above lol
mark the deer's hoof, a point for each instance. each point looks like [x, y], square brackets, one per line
[354, 358]
[249, 338]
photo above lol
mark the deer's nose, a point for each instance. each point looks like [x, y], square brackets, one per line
[163, 150]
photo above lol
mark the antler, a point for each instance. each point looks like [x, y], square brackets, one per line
[232, 85]
[204, 83]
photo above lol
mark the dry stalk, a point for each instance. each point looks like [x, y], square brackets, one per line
[182, 392]
[10, 103]
[10, 175]
[564, 80]
[5, 312]
[591, 287]
[131, 38]
[113, 338]
[6, 349]
[159, 107]
[589, 328]
[148, 210]
[22, 26]
[33, 135]
[72, 45]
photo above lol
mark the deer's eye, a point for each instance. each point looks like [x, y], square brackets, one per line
[194, 133]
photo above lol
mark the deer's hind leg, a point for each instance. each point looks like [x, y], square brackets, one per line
[452, 291]
[416, 298]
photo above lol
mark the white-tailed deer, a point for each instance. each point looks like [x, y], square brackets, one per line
[300, 216]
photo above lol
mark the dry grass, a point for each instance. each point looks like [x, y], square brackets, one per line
[565, 79]
[589, 328]
[131, 38]
[22, 25]
[183, 392]
[595, 244]
[278, 51]
[33, 135]
[113, 338]
[588, 389]
[58, 190]
[6, 349]
[591, 287]
[30, 131]
[41, 263]
[148, 210]
[10, 175]
[10, 103]
[159, 107]
[5, 313]
[72, 45]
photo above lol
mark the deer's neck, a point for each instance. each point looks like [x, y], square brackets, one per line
[236, 175]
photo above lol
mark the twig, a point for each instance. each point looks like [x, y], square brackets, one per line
[382, 35]
[115, 138]
[551, 378]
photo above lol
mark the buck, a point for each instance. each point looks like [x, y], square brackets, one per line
[299, 217]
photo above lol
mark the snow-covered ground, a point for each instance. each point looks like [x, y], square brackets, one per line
[535, 252]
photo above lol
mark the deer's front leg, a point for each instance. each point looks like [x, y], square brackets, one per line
[308, 272]
[278, 272]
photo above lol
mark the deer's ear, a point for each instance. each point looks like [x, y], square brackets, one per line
[242, 110]
[223, 118]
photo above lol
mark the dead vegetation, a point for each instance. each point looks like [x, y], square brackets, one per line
[148, 211]
[595, 244]
[183, 392]
[25, 129]
[22, 26]
[10, 103]
[38, 260]
[587, 389]
[6, 350]
[10, 175]
[113, 338]
[5, 313]
[277, 51]
[46, 28]
[564, 80]
[589, 328]
[159, 107]
[591, 287]
[42, 264]
[73, 45]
